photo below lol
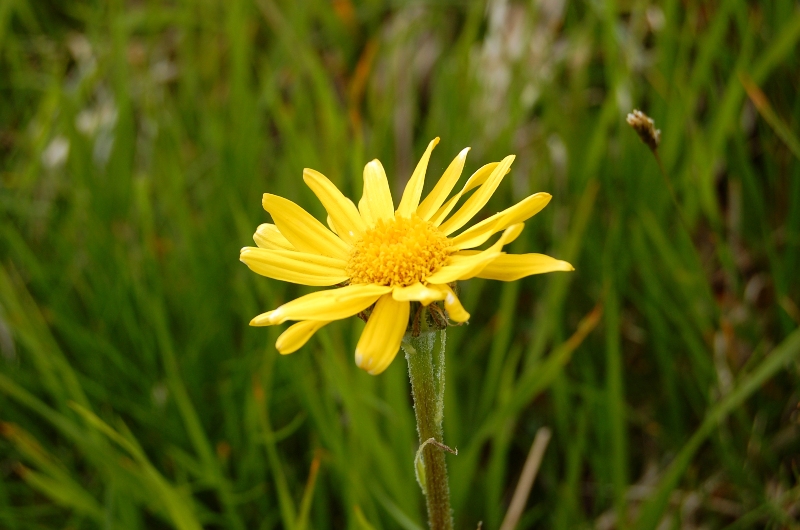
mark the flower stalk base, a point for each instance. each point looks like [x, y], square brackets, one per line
[427, 389]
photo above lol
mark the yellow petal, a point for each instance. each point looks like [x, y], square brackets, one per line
[331, 225]
[333, 304]
[302, 229]
[293, 266]
[463, 268]
[523, 210]
[381, 337]
[466, 266]
[377, 197]
[268, 236]
[478, 199]
[341, 210]
[480, 176]
[439, 193]
[477, 178]
[510, 267]
[412, 193]
[366, 214]
[455, 310]
[417, 293]
[297, 335]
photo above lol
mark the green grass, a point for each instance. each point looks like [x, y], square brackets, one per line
[134, 395]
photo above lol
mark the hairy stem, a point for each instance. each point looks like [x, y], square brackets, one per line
[427, 388]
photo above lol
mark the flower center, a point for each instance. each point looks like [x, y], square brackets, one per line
[398, 252]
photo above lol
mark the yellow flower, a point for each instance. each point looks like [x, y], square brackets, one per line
[388, 257]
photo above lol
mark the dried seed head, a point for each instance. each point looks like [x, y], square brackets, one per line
[645, 127]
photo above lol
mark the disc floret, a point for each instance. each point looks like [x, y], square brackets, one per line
[398, 252]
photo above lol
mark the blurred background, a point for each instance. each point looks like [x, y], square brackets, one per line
[136, 139]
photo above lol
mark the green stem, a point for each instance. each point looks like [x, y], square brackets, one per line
[673, 195]
[427, 388]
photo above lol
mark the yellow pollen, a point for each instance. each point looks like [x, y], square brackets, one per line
[398, 252]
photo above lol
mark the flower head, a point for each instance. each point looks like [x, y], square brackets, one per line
[645, 127]
[384, 258]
